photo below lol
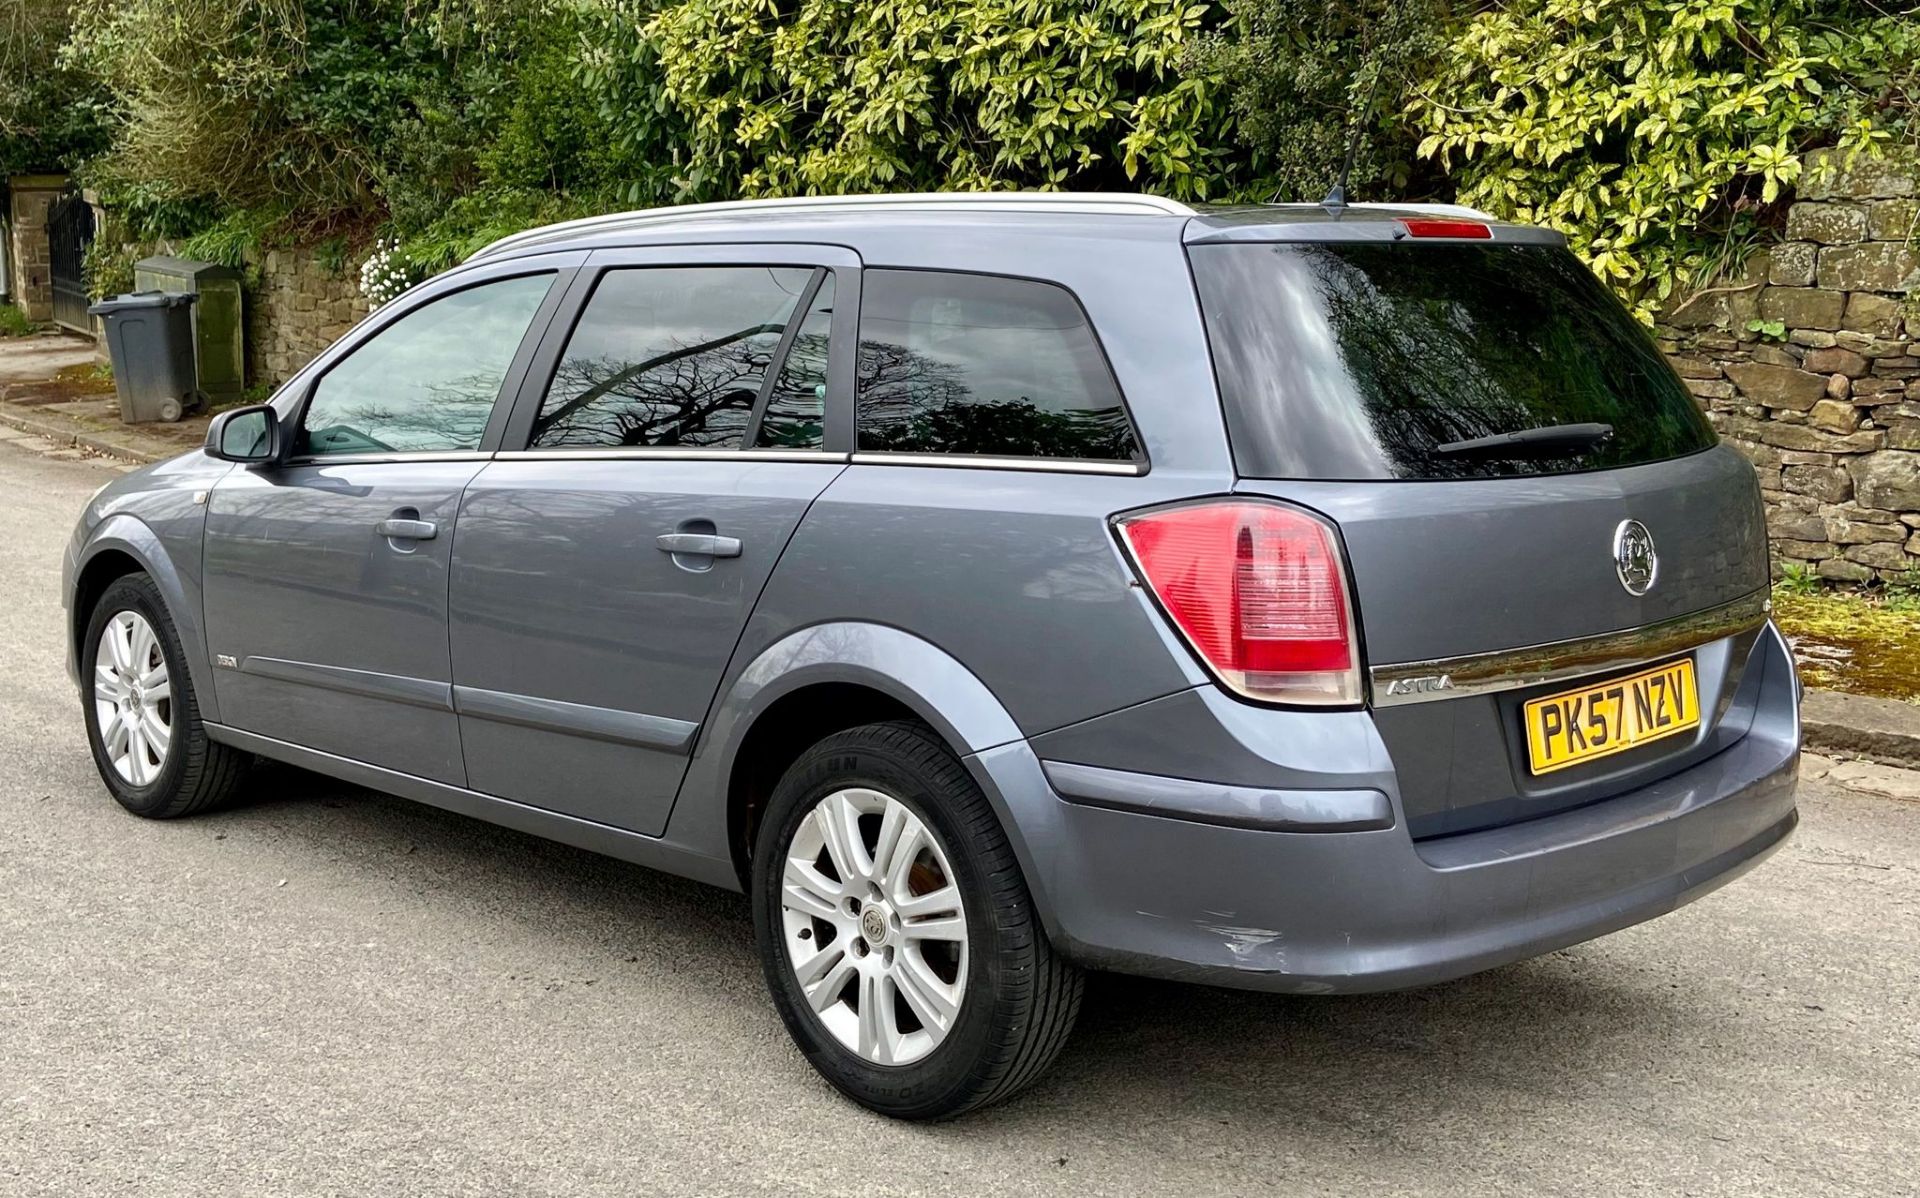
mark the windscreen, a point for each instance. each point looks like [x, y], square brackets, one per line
[1361, 360]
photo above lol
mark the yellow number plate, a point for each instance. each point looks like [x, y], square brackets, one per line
[1598, 721]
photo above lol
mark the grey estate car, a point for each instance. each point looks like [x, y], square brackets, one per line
[1300, 598]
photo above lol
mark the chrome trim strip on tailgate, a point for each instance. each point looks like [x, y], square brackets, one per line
[1512, 669]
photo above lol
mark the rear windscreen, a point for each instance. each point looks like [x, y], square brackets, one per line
[1354, 360]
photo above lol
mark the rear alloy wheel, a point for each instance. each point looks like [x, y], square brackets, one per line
[897, 935]
[874, 929]
[143, 722]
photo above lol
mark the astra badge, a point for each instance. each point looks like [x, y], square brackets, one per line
[1633, 557]
[1425, 684]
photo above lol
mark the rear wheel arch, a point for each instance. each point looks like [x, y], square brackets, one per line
[786, 729]
[824, 679]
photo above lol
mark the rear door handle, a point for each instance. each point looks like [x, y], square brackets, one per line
[399, 529]
[699, 544]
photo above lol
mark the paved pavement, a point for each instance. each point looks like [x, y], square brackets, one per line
[48, 389]
[331, 992]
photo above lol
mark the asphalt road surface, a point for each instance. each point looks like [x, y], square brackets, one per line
[333, 992]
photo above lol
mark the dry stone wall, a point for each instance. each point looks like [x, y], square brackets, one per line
[302, 303]
[1824, 396]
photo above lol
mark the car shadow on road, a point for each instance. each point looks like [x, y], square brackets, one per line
[1425, 1062]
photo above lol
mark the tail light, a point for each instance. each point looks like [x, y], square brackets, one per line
[1258, 590]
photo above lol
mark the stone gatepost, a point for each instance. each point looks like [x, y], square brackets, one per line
[29, 257]
[1809, 365]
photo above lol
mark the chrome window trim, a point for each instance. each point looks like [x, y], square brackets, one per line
[358, 459]
[978, 462]
[667, 453]
[1513, 669]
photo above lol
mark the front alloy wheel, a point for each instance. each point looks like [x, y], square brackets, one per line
[875, 932]
[896, 932]
[133, 698]
[143, 719]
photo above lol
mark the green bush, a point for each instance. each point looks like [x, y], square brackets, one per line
[322, 110]
[822, 96]
[1660, 135]
[14, 322]
[51, 116]
[1300, 75]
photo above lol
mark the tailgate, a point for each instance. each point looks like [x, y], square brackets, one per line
[1477, 597]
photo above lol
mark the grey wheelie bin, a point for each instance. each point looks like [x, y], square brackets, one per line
[150, 339]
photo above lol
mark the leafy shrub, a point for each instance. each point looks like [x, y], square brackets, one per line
[1903, 591]
[51, 116]
[313, 108]
[1659, 134]
[1300, 76]
[824, 96]
[1797, 579]
[14, 322]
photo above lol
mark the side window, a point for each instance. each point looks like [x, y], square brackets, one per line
[427, 381]
[797, 405]
[980, 364]
[669, 356]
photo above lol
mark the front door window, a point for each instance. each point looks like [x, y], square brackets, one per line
[428, 381]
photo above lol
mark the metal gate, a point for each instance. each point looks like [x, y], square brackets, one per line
[70, 231]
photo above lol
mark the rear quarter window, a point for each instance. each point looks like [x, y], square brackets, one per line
[1359, 360]
[955, 363]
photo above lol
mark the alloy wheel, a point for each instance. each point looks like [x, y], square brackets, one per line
[133, 698]
[875, 930]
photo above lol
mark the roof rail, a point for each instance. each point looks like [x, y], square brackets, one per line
[1082, 202]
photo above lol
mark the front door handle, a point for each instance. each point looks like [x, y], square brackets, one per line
[399, 529]
[699, 544]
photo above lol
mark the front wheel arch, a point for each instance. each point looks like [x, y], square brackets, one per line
[122, 545]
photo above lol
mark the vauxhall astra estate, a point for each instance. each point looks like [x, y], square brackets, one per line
[1310, 599]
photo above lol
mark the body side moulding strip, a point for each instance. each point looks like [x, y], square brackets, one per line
[576, 719]
[395, 688]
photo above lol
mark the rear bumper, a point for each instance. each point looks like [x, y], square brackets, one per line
[1353, 911]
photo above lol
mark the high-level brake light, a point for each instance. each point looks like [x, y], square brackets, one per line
[1441, 226]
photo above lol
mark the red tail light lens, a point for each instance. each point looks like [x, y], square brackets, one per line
[1437, 226]
[1260, 593]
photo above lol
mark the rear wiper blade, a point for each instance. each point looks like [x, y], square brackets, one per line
[1550, 440]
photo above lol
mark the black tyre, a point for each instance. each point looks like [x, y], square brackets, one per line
[142, 721]
[896, 932]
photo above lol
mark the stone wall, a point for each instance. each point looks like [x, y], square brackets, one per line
[302, 303]
[1821, 401]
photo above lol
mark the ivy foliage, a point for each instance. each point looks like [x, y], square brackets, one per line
[820, 96]
[1661, 135]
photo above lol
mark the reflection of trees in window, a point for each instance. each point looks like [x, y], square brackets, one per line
[1444, 344]
[911, 402]
[797, 405]
[697, 395]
